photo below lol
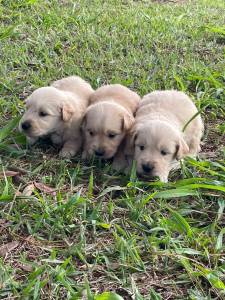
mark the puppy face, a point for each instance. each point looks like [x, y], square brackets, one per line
[46, 112]
[157, 146]
[105, 126]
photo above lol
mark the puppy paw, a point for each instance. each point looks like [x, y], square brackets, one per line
[163, 179]
[84, 155]
[67, 153]
[118, 165]
[56, 139]
[31, 141]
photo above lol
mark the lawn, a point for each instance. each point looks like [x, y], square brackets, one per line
[74, 230]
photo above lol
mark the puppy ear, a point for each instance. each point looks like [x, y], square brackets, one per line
[67, 112]
[182, 149]
[83, 123]
[127, 122]
[27, 100]
[130, 141]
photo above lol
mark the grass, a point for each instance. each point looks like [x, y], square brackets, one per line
[74, 231]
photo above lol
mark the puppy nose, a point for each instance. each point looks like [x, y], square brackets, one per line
[99, 152]
[26, 125]
[147, 168]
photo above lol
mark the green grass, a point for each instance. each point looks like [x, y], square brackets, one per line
[85, 228]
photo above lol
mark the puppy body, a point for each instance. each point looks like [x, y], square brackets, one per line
[107, 120]
[157, 139]
[57, 111]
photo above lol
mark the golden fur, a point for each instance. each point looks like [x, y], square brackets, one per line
[156, 140]
[57, 111]
[108, 118]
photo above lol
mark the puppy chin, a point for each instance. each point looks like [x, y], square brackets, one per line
[109, 155]
[153, 176]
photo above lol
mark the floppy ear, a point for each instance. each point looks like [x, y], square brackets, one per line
[67, 112]
[27, 100]
[182, 149]
[83, 123]
[130, 140]
[127, 122]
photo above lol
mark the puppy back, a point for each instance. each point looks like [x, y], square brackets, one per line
[171, 104]
[75, 85]
[119, 94]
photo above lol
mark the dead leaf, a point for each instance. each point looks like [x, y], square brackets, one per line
[209, 154]
[28, 190]
[8, 174]
[26, 267]
[17, 169]
[44, 188]
[5, 249]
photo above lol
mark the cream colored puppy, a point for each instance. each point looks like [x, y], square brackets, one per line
[157, 140]
[57, 111]
[108, 119]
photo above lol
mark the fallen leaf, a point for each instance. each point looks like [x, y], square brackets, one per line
[209, 154]
[17, 169]
[5, 249]
[44, 188]
[28, 190]
[8, 174]
[25, 267]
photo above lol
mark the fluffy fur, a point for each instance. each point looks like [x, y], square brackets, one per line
[157, 140]
[57, 111]
[108, 118]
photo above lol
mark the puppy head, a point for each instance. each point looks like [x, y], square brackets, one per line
[47, 110]
[105, 125]
[156, 147]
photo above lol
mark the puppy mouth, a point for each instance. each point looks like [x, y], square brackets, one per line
[34, 134]
[153, 177]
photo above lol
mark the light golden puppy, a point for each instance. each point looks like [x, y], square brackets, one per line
[57, 111]
[107, 120]
[157, 140]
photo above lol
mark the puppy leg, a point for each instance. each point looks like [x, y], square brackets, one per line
[119, 161]
[70, 148]
[163, 178]
[84, 154]
[194, 146]
[31, 140]
[56, 139]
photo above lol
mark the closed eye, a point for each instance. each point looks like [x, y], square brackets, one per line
[163, 152]
[111, 135]
[42, 113]
[91, 132]
[141, 147]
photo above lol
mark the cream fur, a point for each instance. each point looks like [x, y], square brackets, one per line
[156, 140]
[108, 118]
[57, 111]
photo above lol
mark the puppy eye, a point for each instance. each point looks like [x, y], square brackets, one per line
[111, 135]
[163, 152]
[42, 114]
[91, 133]
[142, 147]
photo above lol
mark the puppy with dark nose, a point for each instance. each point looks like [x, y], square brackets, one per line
[57, 111]
[157, 140]
[107, 120]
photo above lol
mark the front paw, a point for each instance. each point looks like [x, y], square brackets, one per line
[84, 155]
[67, 153]
[31, 140]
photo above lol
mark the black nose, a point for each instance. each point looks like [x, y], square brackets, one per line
[147, 167]
[99, 152]
[26, 125]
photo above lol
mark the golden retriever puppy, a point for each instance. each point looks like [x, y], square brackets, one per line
[157, 140]
[57, 111]
[108, 119]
